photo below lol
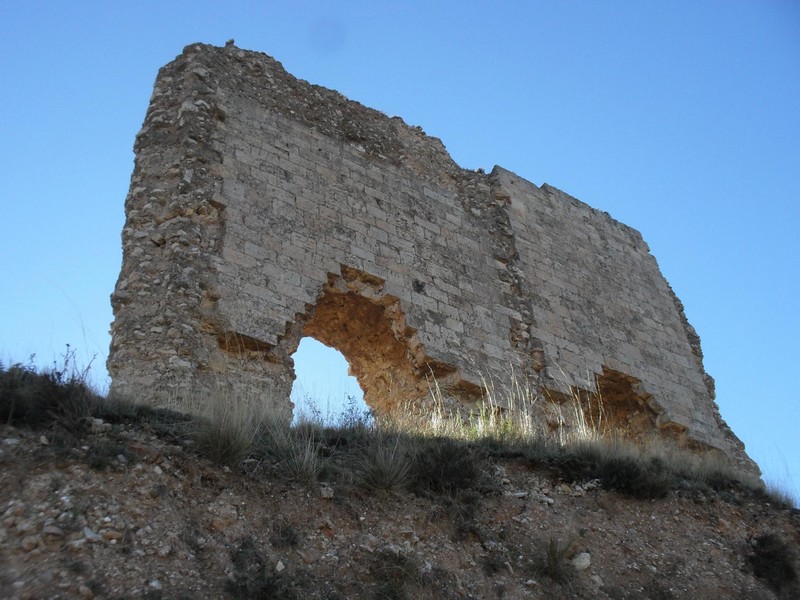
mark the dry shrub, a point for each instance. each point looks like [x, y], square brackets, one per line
[444, 465]
[295, 450]
[59, 396]
[228, 426]
[386, 462]
[775, 561]
[554, 561]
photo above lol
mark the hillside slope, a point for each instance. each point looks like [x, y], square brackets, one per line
[131, 510]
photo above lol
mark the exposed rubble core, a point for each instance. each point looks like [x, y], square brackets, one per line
[263, 208]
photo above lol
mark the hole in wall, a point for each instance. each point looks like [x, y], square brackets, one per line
[323, 388]
[618, 407]
[353, 315]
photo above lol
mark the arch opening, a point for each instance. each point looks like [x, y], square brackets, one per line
[618, 406]
[324, 389]
[354, 315]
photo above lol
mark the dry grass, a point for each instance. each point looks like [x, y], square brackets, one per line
[431, 450]
[578, 449]
[294, 451]
[386, 462]
[227, 428]
[226, 420]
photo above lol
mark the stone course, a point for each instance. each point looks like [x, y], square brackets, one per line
[263, 208]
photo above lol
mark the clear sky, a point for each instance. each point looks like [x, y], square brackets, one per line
[681, 119]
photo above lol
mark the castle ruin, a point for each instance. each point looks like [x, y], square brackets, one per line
[263, 209]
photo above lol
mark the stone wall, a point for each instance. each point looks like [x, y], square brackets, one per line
[263, 209]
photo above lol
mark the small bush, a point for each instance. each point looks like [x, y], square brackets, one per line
[227, 428]
[100, 455]
[253, 579]
[284, 534]
[398, 574]
[462, 508]
[385, 463]
[296, 450]
[636, 478]
[554, 561]
[775, 561]
[353, 417]
[59, 396]
[444, 465]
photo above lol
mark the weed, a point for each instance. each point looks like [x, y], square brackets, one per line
[775, 561]
[354, 417]
[554, 562]
[444, 465]
[781, 497]
[495, 561]
[253, 579]
[227, 427]
[636, 478]
[398, 574]
[283, 534]
[77, 567]
[100, 455]
[462, 508]
[296, 450]
[38, 400]
[386, 462]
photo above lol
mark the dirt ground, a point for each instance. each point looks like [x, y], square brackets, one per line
[131, 514]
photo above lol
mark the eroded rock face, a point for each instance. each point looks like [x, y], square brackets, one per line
[263, 208]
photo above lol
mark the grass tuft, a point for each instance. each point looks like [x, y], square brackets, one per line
[554, 561]
[444, 465]
[227, 428]
[386, 462]
[295, 451]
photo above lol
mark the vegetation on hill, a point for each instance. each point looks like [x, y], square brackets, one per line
[448, 460]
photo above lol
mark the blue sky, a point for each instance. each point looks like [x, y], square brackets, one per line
[680, 119]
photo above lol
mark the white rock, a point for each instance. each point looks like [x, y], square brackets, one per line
[582, 561]
[91, 536]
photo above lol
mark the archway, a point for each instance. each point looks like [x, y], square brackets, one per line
[354, 315]
[323, 388]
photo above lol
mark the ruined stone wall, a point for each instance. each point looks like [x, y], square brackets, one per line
[263, 209]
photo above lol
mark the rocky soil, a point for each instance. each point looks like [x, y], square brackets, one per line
[133, 512]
